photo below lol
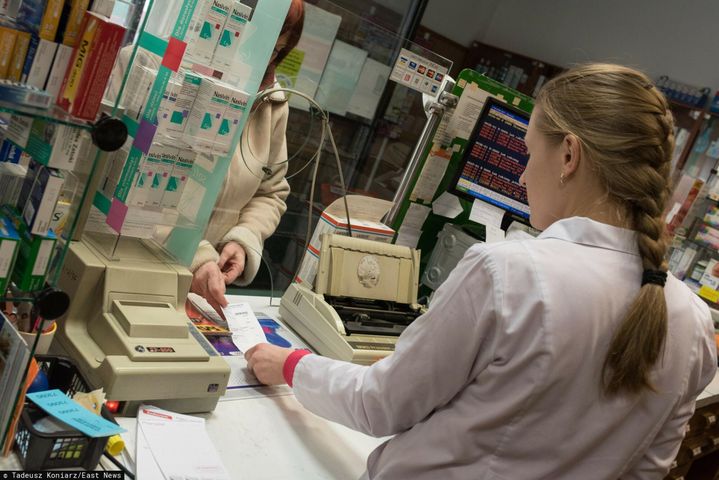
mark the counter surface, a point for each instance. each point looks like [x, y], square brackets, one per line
[276, 438]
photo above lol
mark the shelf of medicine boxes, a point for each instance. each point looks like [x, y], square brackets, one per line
[53, 114]
[690, 118]
[23, 285]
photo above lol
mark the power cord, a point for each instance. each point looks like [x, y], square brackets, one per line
[325, 132]
[263, 96]
[119, 465]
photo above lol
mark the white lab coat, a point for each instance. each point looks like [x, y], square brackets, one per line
[500, 379]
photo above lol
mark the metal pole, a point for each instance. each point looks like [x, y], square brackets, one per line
[435, 110]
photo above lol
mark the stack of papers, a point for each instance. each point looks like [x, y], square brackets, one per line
[174, 446]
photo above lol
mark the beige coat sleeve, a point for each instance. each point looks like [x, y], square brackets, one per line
[261, 215]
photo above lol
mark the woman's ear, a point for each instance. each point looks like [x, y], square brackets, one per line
[571, 150]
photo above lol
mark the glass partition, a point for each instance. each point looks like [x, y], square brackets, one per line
[187, 87]
[345, 63]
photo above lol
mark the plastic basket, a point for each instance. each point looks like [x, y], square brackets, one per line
[42, 451]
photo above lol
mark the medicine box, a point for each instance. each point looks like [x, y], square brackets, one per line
[9, 152]
[205, 28]
[33, 260]
[38, 197]
[230, 122]
[55, 145]
[12, 177]
[9, 243]
[183, 104]
[229, 41]
[180, 173]
[208, 110]
[92, 61]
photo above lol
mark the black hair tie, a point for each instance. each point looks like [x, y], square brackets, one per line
[656, 277]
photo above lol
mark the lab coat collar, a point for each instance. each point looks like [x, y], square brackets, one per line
[586, 231]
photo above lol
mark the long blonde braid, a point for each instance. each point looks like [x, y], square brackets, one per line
[626, 130]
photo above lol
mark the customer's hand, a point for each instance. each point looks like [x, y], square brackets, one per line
[267, 361]
[208, 283]
[232, 261]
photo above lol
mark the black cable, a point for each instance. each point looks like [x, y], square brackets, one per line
[119, 465]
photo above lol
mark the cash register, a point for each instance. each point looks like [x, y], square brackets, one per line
[127, 330]
[365, 295]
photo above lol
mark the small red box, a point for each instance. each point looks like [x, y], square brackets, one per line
[90, 66]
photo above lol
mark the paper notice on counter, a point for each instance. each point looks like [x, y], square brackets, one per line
[431, 176]
[303, 69]
[486, 214]
[447, 205]
[342, 72]
[178, 445]
[467, 112]
[369, 88]
[246, 330]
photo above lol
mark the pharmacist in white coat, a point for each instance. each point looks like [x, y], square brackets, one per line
[574, 355]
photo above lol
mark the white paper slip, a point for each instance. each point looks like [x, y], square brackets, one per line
[493, 234]
[178, 445]
[408, 236]
[486, 213]
[246, 330]
[415, 216]
[447, 205]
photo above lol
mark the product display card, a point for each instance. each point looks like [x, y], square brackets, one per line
[418, 73]
[63, 408]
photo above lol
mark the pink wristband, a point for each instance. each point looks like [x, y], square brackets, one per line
[288, 369]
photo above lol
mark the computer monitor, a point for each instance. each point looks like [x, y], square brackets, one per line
[494, 159]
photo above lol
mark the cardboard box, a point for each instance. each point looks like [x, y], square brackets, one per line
[178, 178]
[158, 168]
[205, 28]
[74, 21]
[93, 58]
[8, 37]
[329, 223]
[204, 122]
[21, 94]
[34, 255]
[9, 152]
[38, 197]
[55, 145]
[185, 100]
[230, 122]
[18, 130]
[168, 104]
[9, 243]
[51, 19]
[38, 62]
[60, 64]
[12, 177]
[22, 44]
[229, 42]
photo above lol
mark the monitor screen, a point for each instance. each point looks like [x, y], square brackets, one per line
[494, 159]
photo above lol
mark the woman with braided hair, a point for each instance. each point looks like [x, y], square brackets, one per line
[575, 355]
